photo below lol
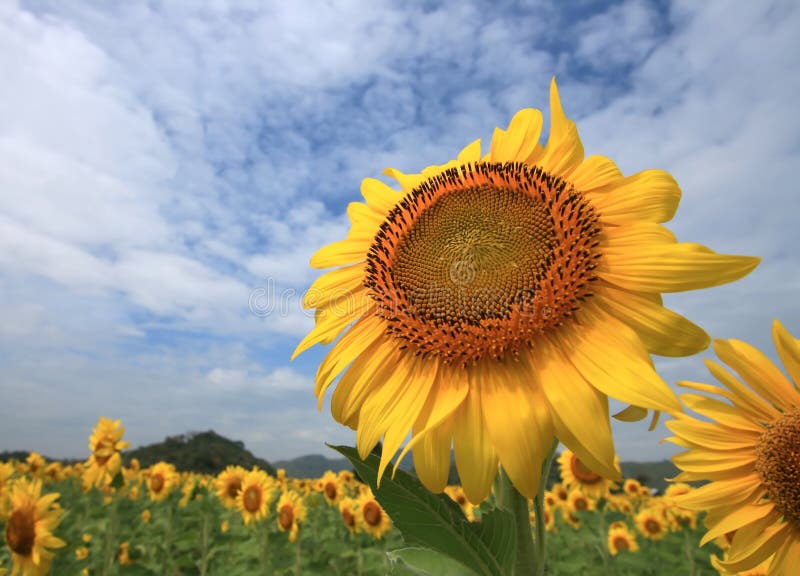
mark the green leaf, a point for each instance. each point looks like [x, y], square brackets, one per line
[425, 562]
[435, 521]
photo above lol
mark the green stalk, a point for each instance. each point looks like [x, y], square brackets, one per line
[204, 541]
[608, 562]
[538, 506]
[688, 549]
[109, 547]
[263, 555]
[508, 498]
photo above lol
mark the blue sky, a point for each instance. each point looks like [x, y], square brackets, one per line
[166, 170]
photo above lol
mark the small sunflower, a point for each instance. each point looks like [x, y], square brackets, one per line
[560, 493]
[372, 517]
[347, 510]
[498, 300]
[549, 518]
[161, 479]
[291, 511]
[456, 493]
[330, 487]
[35, 464]
[29, 528]
[633, 488]
[620, 538]
[576, 475]
[578, 501]
[105, 444]
[253, 500]
[228, 483]
[748, 452]
[652, 523]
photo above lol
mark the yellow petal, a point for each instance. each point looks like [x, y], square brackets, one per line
[449, 391]
[518, 142]
[365, 373]
[673, 268]
[613, 360]
[340, 253]
[742, 396]
[328, 327]
[721, 412]
[699, 460]
[380, 197]
[476, 458]
[788, 349]
[564, 150]
[631, 414]
[363, 333]
[580, 412]
[753, 544]
[334, 284]
[712, 435]
[518, 421]
[386, 397]
[759, 373]
[787, 558]
[595, 172]
[739, 517]
[432, 456]
[407, 181]
[662, 331]
[401, 416]
[650, 196]
[364, 221]
[620, 239]
[470, 153]
[723, 493]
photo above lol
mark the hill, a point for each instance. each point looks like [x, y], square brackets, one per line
[204, 452]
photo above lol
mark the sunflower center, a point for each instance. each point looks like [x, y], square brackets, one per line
[652, 526]
[157, 483]
[251, 499]
[21, 531]
[234, 485]
[286, 516]
[330, 491]
[372, 514]
[583, 474]
[778, 464]
[348, 518]
[479, 260]
[621, 543]
[581, 504]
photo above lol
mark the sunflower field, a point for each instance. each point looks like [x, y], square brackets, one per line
[100, 517]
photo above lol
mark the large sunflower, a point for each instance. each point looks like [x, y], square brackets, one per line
[29, 528]
[497, 300]
[750, 452]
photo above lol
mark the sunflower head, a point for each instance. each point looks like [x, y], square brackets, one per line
[290, 512]
[371, 516]
[620, 538]
[652, 523]
[161, 479]
[330, 487]
[30, 525]
[228, 483]
[255, 496]
[496, 301]
[347, 510]
[746, 446]
[578, 476]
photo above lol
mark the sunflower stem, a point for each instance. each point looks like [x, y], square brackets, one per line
[508, 498]
[688, 548]
[538, 507]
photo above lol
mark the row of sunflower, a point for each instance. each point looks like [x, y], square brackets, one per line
[129, 519]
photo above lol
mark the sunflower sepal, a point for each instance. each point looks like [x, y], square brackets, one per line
[436, 522]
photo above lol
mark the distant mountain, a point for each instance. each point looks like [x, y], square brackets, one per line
[203, 452]
[312, 466]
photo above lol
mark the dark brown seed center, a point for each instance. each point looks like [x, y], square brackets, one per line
[778, 464]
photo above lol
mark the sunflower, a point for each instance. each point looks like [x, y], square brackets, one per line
[291, 511]
[748, 452]
[35, 463]
[161, 479]
[633, 488]
[347, 507]
[620, 538]
[549, 518]
[579, 502]
[330, 487]
[105, 443]
[497, 300]
[228, 484]
[652, 523]
[254, 498]
[371, 516]
[6, 472]
[576, 475]
[29, 528]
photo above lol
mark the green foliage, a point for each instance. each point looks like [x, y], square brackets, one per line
[435, 521]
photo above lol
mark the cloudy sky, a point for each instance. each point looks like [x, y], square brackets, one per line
[167, 170]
